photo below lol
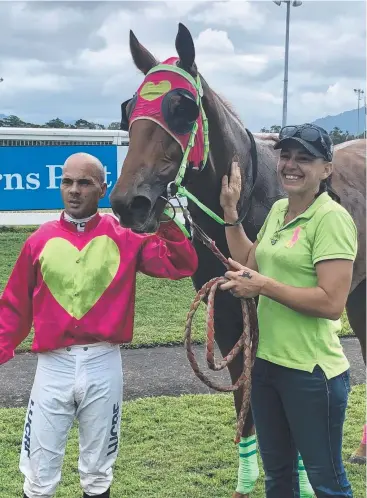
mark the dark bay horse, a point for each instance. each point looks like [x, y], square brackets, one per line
[153, 160]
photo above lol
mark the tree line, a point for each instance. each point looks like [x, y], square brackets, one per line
[337, 135]
[15, 122]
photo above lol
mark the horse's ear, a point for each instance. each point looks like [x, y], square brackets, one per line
[142, 58]
[185, 48]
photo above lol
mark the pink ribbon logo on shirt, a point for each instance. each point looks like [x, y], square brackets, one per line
[294, 238]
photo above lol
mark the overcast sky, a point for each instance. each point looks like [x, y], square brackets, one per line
[72, 59]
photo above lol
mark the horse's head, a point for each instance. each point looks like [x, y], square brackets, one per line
[167, 128]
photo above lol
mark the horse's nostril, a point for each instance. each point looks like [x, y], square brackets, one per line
[134, 213]
[140, 204]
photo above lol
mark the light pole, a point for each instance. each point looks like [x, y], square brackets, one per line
[285, 87]
[359, 92]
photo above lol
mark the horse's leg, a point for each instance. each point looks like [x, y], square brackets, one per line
[356, 311]
[228, 327]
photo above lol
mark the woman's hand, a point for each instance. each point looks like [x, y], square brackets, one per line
[243, 282]
[231, 191]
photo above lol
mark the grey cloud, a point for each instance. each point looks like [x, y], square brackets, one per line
[26, 43]
[88, 96]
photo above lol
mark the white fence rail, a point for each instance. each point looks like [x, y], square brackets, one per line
[61, 136]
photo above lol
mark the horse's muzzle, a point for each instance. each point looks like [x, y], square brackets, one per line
[133, 213]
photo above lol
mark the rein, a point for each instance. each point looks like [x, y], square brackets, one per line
[248, 340]
[175, 189]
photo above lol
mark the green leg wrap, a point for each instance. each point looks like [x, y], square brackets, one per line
[248, 470]
[305, 488]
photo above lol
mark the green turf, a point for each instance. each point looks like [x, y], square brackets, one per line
[161, 305]
[170, 447]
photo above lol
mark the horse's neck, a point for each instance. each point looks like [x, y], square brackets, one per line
[227, 136]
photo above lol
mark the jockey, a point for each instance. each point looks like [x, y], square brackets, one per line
[75, 280]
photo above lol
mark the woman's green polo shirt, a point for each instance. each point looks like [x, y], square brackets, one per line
[288, 254]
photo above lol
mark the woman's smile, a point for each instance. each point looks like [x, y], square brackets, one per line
[292, 178]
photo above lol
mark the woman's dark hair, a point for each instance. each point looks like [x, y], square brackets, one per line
[325, 186]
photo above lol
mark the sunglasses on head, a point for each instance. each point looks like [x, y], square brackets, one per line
[306, 132]
[309, 133]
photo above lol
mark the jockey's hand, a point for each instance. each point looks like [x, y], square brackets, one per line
[165, 217]
[231, 191]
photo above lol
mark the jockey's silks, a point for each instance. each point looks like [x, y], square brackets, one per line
[79, 287]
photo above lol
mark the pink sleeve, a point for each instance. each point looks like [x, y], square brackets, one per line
[168, 254]
[16, 305]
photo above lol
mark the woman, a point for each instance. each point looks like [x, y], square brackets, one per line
[301, 268]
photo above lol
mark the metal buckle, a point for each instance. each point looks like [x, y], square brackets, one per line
[171, 190]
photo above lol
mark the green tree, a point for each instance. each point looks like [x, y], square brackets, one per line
[14, 122]
[83, 123]
[273, 129]
[55, 123]
[115, 125]
[338, 136]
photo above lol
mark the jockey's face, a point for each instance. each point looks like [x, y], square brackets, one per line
[82, 185]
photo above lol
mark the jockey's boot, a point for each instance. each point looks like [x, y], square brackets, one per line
[106, 494]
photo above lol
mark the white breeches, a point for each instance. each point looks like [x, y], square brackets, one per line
[82, 382]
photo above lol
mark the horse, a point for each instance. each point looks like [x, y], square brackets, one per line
[160, 151]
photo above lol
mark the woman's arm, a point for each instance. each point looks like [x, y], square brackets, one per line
[326, 300]
[240, 246]
[333, 252]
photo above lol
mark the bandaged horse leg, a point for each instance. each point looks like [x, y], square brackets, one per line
[356, 311]
[305, 488]
[248, 468]
[231, 326]
[359, 456]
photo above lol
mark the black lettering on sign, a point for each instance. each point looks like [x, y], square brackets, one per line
[114, 439]
[27, 430]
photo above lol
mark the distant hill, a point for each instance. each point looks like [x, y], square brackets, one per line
[346, 121]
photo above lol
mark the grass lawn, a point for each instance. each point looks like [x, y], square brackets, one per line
[161, 305]
[181, 447]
